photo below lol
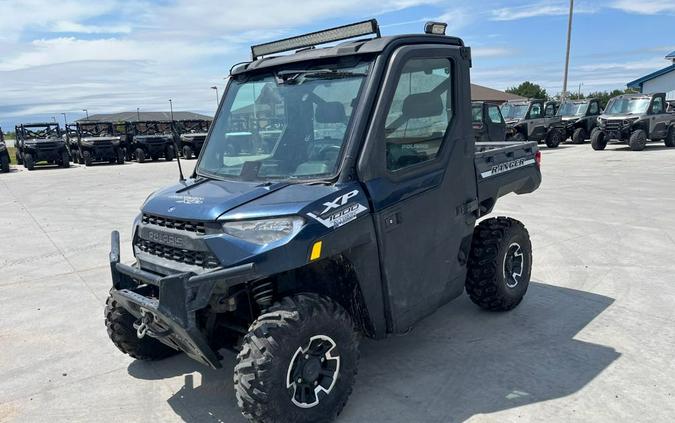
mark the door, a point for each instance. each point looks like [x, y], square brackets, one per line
[659, 119]
[536, 123]
[496, 125]
[418, 170]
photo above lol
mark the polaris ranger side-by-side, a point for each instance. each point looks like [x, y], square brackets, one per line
[4, 154]
[360, 221]
[97, 142]
[579, 118]
[533, 120]
[41, 142]
[488, 123]
[191, 135]
[152, 139]
[635, 119]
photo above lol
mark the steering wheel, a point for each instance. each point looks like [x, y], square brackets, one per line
[328, 149]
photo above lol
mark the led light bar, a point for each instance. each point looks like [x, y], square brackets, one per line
[315, 38]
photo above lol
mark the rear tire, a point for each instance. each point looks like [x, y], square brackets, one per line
[140, 155]
[554, 138]
[670, 138]
[187, 152]
[120, 326]
[28, 161]
[500, 264]
[289, 354]
[579, 136]
[120, 156]
[637, 140]
[4, 163]
[598, 139]
[65, 159]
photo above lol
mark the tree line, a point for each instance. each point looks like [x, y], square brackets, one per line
[531, 90]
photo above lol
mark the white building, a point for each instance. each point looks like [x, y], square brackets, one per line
[661, 81]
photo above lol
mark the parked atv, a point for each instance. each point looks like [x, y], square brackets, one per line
[125, 131]
[579, 118]
[488, 123]
[70, 138]
[97, 142]
[4, 154]
[191, 136]
[635, 119]
[41, 142]
[152, 139]
[533, 120]
[290, 257]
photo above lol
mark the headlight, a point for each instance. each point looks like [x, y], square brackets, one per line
[264, 231]
[630, 120]
[601, 121]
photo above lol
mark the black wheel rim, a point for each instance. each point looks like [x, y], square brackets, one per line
[313, 371]
[514, 265]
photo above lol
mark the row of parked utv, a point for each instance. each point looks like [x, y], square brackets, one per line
[633, 119]
[90, 142]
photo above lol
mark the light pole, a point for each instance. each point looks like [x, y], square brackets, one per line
[217, 97]
[138, 114]
[54, 119]
[87, 112]
[65, 120]
[567, 55]
[171, 108]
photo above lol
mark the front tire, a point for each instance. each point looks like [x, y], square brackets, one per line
[120, 326]
[637, 140]
[298, 362]
[169, 154]
[670, 139]
[28, 161]
[554, 138]
[4, 163]
[598, 140]
[140, 155]
[187, 152]
[120, 156]
[579, 136]
[86, 158]
[500, 264]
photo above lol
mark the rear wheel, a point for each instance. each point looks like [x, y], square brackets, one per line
[298, 362]
[65, 159]
[670, 139]
[579, 136]
[140, 155]
[120, 156]
[187, 152]
[4, 163]
[28, 161]
[638, 140]
[500, 263]
[554, 138]
[120, 326]
[598, 139]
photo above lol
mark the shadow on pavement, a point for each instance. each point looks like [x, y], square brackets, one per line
[457, 363]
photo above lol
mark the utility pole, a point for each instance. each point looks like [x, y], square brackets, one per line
[87, 112]
[65, 121]
[567, 55]
[54, 119]
[171, 107]
[217, 97]
[138, 114]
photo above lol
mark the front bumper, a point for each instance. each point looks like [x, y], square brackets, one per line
[171, 318]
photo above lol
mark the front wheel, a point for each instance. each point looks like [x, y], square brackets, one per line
[140, 155]
[4, 163]
[598, 139]
[554, 138]
[86, 158]
[670, 138]
[169, 154]
[121, 156]
[187, 152]
[500, 263]
[579, 136]
[120, 326]
[637, 140]
[28, 161]
[298, 362]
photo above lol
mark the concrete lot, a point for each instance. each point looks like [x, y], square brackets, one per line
[593, 340]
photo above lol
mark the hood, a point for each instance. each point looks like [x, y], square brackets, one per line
[570, 118]
[194, 135]
[37, 140]
[93, 139]
[207, 200]
[511, 121]
[620, 116]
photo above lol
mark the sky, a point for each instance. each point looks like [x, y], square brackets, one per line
[116, 55]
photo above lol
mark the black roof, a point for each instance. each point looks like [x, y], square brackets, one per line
[36, 124]
[348, 48]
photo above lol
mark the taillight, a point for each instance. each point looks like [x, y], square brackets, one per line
[537, 158]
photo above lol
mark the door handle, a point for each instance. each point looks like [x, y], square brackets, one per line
[392, 220]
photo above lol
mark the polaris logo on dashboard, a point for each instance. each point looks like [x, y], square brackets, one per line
[505, 167]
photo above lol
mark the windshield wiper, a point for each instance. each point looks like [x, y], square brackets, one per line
[297, 76]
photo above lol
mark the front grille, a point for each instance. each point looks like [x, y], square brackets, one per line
[181, 225]
[193, 258]
[613, 125]
[47, 145]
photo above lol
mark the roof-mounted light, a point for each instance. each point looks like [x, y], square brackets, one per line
[315, 38]
[435, 28]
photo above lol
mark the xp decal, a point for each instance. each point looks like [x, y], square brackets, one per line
[344, 212]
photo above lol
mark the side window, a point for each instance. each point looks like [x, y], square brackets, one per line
[495, 115]
[550, 110]
[535, 111]
[419, 114]
[657, 106]
[593, 109]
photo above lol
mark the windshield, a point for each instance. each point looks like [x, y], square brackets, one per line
[40, 132]
[477, 113]
[152, 128]
[514, 111]
[96, 129]
[624, 106]
[288, 126]
[573, 109]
